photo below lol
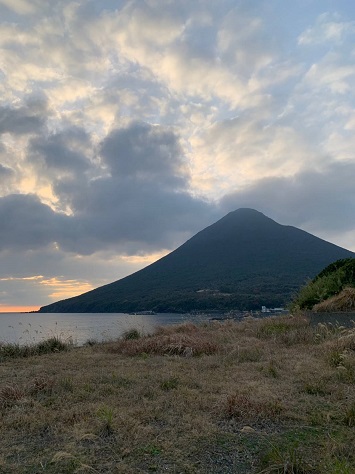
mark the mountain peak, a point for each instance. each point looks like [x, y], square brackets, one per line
[246, 213]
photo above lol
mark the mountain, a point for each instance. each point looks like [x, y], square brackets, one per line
[243, 261]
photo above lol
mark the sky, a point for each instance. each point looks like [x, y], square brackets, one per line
[126, 126]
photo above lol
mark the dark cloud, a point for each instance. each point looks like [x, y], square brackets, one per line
[144, 204]
[24, 120]
[6, 173]
[320, 200]
[132, 216]
[26, 223]
[115, 217]
[61, 152]
[145, 153]
[136, 216]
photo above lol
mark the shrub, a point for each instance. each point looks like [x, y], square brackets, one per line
[329, 282]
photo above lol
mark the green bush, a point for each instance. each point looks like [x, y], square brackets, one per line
[329, 282]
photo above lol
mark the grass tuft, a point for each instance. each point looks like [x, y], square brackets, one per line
[13, 351]
[244, 408]
[287, 330]
[131, 334]
[169, 384]
[180, 344]
[280, 460]
[10, 394]
[41, 385]
[349, 418]
[106, 415]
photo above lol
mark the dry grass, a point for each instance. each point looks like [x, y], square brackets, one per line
[344, 301]
[272, 396]
[185, 340]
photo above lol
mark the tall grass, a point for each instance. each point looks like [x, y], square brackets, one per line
[14, 350]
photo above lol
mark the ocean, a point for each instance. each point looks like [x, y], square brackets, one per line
[29, 328]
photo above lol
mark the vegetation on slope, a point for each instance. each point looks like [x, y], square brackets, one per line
[328, 283]
[267, 396]
[343, 301]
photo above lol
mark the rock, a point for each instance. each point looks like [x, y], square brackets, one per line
[247, 429]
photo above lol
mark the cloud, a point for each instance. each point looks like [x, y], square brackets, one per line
[179, 45]
[50, 289]
[49, 271]
[23, 120]
[332, 73]
[329, 27]
[6, 173]
[21, 7]
[238, 151]
[7, 178]
[28, 224]
[145, 153]
[318, 201]
[127, 204]
[132, 204]
[60, 288]
[63, 152]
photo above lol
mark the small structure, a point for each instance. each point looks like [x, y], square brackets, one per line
[280, 310]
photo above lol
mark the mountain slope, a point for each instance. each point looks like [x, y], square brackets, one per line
[241, 262]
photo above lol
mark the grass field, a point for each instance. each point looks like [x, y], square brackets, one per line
[264, 396]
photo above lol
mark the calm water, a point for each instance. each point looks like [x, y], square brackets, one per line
[25, 328]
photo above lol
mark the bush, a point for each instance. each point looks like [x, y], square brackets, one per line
[329, 282]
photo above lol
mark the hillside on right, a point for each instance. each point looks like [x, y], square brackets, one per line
[332, 290]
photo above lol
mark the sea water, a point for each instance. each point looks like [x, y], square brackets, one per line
[30, 328]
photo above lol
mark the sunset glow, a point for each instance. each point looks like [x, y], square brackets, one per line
[18, 309]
